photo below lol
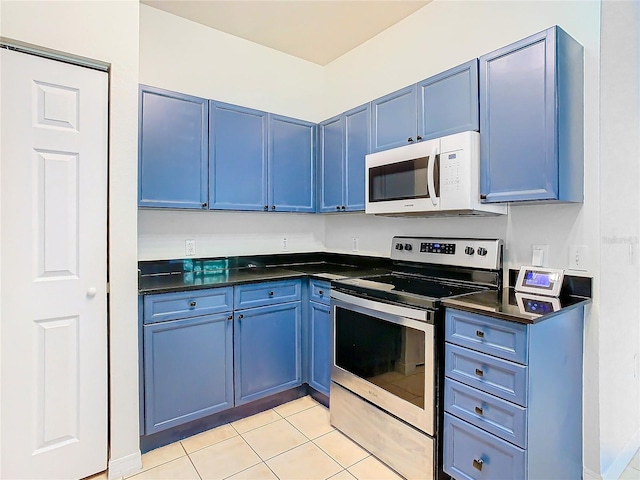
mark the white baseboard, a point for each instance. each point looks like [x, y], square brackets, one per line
[615, 469]
[120, 467]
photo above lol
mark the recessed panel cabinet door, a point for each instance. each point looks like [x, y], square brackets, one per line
[356, 147]
[188, 370]
[448, 102]
[267, 350]
[320, 346]
[393, 119]
[291, 164]
[531, 103]
[238, 156]
[330, 159]
[173, 153]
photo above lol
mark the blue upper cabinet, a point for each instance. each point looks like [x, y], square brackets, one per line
[448, 102]
[343, 142]
[531, 104]
[238, 157]
[330, 164]
[291, 165]
[356, 147]
[393, 119]
[173, 157]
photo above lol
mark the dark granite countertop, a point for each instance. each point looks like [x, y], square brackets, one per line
[507, 304]
[177, 281]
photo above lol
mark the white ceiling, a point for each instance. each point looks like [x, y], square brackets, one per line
[315, 30]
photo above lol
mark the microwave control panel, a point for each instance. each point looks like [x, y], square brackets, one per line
[450, 171]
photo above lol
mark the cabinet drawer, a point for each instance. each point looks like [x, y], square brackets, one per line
[320, 291]
[504, 379]
[496, 337]
[261, 294]
[473, 454]
[497, 416]
[171, 306]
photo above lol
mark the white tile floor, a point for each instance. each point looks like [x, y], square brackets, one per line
[290, 442]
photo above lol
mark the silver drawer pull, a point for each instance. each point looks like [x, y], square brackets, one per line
[192, 304]
[271, 294]
[479, 410]
[477, 464]
[479, 372]
[320, 292]
[479, 334]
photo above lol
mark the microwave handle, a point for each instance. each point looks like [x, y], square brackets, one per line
[431, 186]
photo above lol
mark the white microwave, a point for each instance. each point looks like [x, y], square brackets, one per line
[438, 176]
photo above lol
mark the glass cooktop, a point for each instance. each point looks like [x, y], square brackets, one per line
[404, 289]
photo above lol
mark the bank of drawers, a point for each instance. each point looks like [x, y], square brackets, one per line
[486, 396]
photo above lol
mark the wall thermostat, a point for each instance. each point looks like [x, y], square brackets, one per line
[541, 281]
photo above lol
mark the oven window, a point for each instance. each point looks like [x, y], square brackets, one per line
[388, 355]
[402, 180]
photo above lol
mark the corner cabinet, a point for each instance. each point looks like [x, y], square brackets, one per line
[513, 397]
[531, 135]
[291, 164]
[173, 161]
[343, 143]
[238, 155]
[441, 105]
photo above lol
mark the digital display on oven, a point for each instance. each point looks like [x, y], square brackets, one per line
[433, 247]
[542, 280]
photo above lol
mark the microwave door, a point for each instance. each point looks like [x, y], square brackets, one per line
[403, 180]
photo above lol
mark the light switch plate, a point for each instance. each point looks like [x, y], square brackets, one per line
[539, 255]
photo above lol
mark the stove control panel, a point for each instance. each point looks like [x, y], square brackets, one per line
[464, 252]
[435, 247]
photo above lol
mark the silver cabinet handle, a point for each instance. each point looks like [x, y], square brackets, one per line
[192, 303]
[240, 316]
[479, 410]
[479, 334]
[477, 464]
[479, 372]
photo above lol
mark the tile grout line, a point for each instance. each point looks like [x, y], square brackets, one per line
[194, 466]
[143, 470]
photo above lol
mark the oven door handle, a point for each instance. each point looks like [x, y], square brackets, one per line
[396, 310]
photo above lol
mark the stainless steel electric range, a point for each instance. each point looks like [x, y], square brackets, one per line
[388, 347]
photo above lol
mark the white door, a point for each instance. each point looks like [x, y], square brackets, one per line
[53, 268]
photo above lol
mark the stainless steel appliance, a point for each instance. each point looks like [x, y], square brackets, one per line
[437, 176]
[388, 340]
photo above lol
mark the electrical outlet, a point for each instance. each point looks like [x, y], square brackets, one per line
[190, 248]
[578, 257]
[355, 244]
[285, 244]
[539, 255]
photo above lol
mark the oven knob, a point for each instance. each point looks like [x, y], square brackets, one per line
[482, 251]
[469, 250]
[407, 246]
[399, 246]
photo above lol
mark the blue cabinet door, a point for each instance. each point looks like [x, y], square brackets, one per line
[393, 119]
[267, 351]
[188, 370]
[448, 102]
[356, 147]
[238, 157]
[291, 164]
[320, 346]
[173, 159]
[330, 164]
[531, 140]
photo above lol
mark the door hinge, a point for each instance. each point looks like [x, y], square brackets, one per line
[108, 288]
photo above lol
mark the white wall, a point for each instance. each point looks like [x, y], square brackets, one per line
[620, 227]
[106, 31]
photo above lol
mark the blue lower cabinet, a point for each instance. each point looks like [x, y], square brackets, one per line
[472, 454]
[267, 350]
[188, 370]
[320, 346]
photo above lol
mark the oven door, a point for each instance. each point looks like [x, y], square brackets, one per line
[385, 354]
